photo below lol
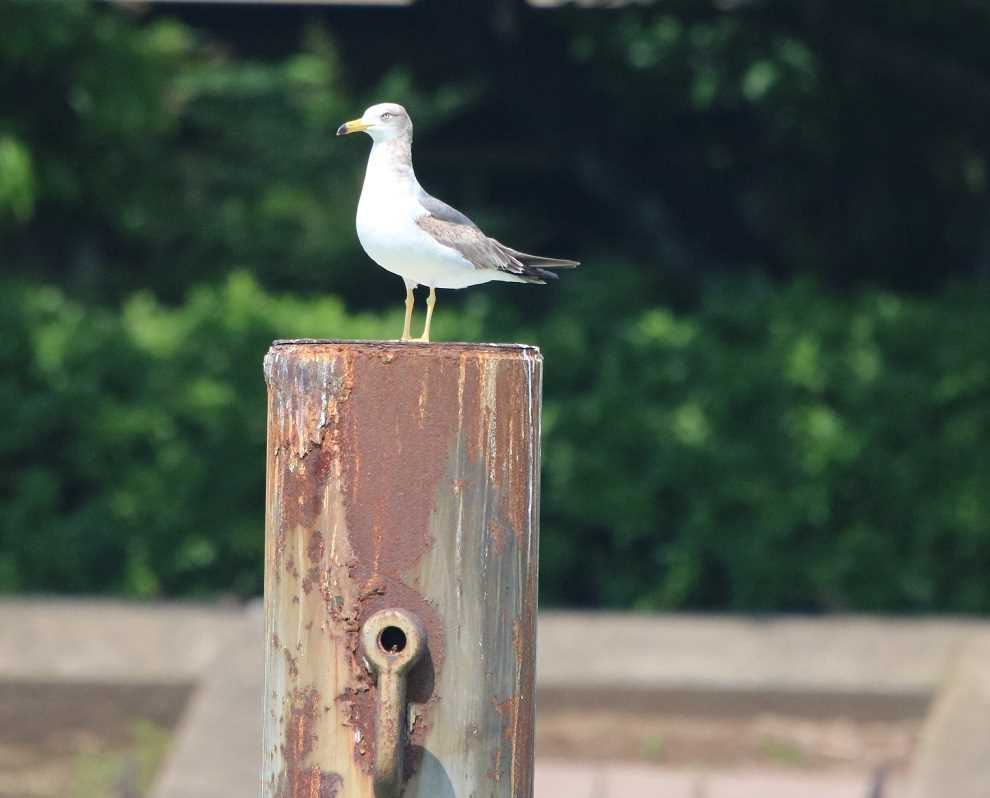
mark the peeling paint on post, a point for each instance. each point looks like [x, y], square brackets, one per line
[401, 476]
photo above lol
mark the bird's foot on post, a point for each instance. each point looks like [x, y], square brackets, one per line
[430, 302]
[410, 300]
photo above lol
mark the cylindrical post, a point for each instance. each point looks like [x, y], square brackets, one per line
[401, 569]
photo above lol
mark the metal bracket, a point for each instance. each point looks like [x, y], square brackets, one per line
[393, 641]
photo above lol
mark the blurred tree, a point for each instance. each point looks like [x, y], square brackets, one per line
[847, 143]
[140, 155]
[850, 145]
[766, 388]
[132, 437]
[782, 136]
[774, 450]
[777, 449]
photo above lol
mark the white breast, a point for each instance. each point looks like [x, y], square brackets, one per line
[387, 229]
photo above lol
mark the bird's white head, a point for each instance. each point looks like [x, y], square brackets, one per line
[382, 122]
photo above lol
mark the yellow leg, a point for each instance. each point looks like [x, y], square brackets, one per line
[430, 302]
[410, 300]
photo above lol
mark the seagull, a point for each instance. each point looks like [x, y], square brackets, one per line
[421, 239]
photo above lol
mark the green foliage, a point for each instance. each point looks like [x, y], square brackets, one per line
[850, 146]
[776, 449]
[16, 179]
[135, 437]
[773, 450]
[154, 146]
[713, 441]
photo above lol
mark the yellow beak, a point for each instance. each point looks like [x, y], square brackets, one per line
[354, 126]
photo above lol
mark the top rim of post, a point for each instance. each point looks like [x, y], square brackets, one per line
[436, 347]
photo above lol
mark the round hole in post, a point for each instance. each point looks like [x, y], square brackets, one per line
[392, 640]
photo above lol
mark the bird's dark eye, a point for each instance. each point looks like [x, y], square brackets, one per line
[386, 115]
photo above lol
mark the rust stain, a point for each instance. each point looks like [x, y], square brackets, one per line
[469, 392]
[292, 663]
[330, 784]
[400, 467]
[316, 548]
[513, 473]
[497, 534]
[315, 551]
[311, 783]
[404, 440]
[301, 733]
[359, 713]
[300, 779]
[507, 711]
[303, 487]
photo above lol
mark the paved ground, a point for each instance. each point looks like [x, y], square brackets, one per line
[833, 655]
[729, 665]
[82, 740]
[222, 720]
[217, 750]
[955, 756]
[557, 779]
[92, 640]
[96, 640]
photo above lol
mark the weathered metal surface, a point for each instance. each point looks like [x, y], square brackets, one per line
[401, 476]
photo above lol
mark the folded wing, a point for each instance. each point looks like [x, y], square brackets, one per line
[453, 229]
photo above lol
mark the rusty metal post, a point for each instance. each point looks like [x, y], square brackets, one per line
[401, 569]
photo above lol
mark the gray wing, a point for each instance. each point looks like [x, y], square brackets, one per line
[442, 211]
[478, 249]
[452, 228]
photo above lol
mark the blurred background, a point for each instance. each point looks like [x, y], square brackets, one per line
[767, 387]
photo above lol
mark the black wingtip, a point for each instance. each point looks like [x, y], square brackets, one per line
[542, 275]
